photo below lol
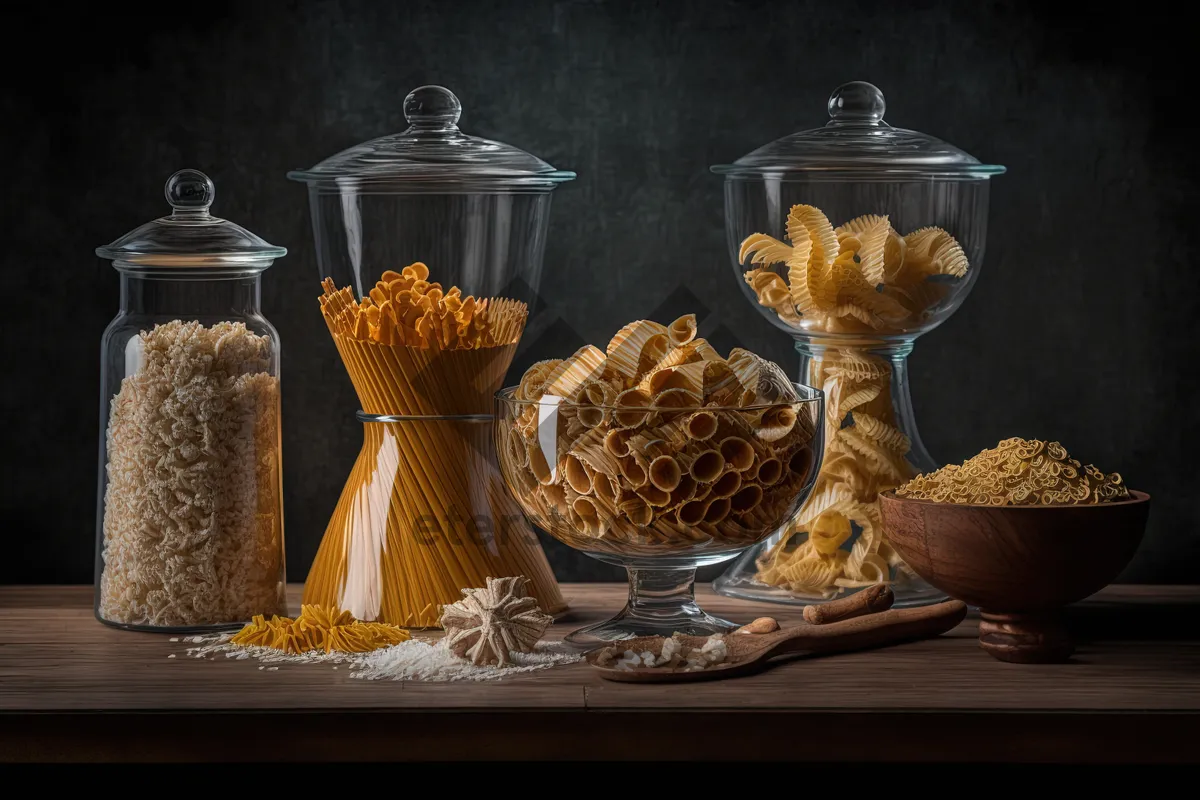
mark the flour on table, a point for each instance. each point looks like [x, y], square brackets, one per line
[414, 660]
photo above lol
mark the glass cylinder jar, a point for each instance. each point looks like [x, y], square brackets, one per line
[190, 506]
[856, 238]
[430, 245]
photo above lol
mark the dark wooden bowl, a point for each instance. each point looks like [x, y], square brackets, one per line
[1019, 564]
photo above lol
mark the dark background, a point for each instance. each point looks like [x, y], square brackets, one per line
[1082, 326]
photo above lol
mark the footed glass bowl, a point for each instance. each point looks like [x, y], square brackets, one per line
[659, 491]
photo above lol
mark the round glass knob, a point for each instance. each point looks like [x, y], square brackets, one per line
[190, 191]
[432, 107]
[857, 101]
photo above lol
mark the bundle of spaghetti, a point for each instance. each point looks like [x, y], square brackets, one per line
[318, 628]
[421, 516]
[658, 444]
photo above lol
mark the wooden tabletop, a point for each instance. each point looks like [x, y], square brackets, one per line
[73, 689]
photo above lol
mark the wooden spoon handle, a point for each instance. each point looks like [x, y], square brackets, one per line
[873, 630]
[869, 601]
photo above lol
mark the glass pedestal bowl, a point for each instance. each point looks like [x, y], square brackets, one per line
[855, 238]
[659, 491]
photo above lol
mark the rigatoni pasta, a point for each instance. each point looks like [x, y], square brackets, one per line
[661, 444]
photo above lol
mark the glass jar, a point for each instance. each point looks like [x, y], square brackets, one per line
[430, 242]
[855, 238]
[190, 510]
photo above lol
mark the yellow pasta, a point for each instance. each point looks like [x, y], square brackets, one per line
[1018, 472]
[318, 628]
[422, 516]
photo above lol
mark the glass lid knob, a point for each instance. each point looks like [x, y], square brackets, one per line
[432, 108]
[190, 193]
[856, 102]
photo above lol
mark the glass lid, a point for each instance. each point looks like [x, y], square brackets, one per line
[857, 140]
[190, 236]
[433, 156]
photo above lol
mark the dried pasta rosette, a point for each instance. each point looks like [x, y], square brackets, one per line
[657, 444]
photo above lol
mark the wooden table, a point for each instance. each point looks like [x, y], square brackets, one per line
[73, 689]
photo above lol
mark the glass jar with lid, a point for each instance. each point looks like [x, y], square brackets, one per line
[855, 238]
[429, 243]
[190, 508]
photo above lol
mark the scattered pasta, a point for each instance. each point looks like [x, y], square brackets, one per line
[1018, 472]
[318, 628]
[657, 443]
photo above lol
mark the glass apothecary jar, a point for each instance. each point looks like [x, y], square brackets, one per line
[190, 509]
[429, 243]
[855, 238]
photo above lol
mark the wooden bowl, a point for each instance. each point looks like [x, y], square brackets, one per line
[1019, 564]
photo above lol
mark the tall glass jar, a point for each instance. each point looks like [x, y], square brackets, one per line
[855, 238]
[190, 509]
[417, 232]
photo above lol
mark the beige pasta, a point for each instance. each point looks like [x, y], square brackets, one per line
[682, 330]
[655, 447]
[638, 511]
[700, 425]
[770, 470]
[705, 465]
[664, 473]
[717, 511]
[737, 453]
[638, 343]
[572, 374]
[578, 474]
[632, 408]
[727, 485]
[746, 499]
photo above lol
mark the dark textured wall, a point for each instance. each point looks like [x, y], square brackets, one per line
[1081, 328]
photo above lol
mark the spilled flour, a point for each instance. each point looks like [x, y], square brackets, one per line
[414, 660]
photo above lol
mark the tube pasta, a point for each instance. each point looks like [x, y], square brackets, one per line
[746, 499]
[700, 425]
[727, 485]
[737, 453]
[633, 408]
[578, 474]
[655, 450]
[705, 466]
[664, 473]
[770, 470]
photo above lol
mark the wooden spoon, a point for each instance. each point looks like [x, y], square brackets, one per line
[748, 653]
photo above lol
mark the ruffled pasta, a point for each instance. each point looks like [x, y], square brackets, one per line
[862, 276]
